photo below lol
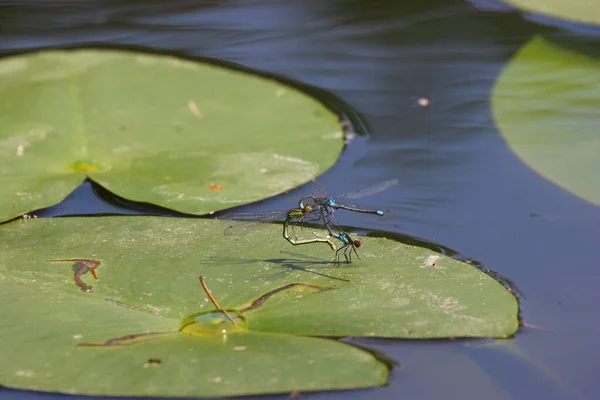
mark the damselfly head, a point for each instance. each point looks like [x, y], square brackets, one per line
[307, 209]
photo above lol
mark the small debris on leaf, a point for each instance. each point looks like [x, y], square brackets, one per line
[155, 362]
[431, 261]
[194, 109]
[80, 267]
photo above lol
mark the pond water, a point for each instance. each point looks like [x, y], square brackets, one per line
[461, 187]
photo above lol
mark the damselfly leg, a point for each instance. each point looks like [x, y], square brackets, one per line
[349, 246]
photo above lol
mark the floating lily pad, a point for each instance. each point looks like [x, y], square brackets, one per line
[149, 272]
[583, 11]
[546, 104]
[174, 365]
[188, 136]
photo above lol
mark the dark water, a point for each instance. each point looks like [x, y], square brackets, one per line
[460, 185]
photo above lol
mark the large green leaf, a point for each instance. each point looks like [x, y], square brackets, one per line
[191, 137]
[153, 264]
[546, 105]
[42, 326]
[585, 11]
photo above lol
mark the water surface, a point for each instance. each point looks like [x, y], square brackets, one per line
[460, 185]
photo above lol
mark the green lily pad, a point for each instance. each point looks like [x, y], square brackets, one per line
[546, 104]
[583, 11]
[150, 266]
[174, 365]
[191, 137]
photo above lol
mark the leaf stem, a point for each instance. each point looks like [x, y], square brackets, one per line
[214, 301]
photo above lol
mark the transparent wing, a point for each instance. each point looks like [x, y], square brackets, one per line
[313, 188]
[269, 216]
[371, 190]
[237, 224]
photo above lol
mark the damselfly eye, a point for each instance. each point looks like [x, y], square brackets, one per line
[357, 243]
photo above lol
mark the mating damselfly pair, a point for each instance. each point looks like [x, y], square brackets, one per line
[312, 210]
